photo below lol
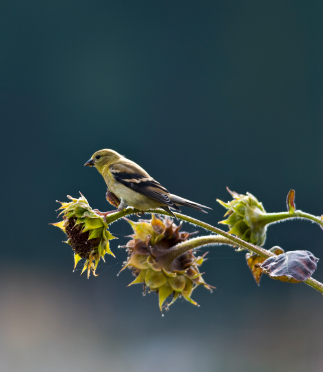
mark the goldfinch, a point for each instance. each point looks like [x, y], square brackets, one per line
[133, 185]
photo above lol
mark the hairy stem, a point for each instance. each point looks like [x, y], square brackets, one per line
[186, 246]
[231, 239]
[275, 217]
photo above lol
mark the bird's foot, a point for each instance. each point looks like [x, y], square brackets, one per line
[104, 214]
[140, 214]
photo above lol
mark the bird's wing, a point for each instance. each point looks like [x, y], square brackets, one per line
[137, 180]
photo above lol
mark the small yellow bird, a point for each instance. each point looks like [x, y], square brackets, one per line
[133, 185]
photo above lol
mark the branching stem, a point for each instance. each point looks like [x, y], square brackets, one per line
[231, 239]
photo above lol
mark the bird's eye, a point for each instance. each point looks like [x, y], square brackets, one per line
[98, 157]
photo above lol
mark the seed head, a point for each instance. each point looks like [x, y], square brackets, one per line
[87, 233]
[156, 262]
[245, 218]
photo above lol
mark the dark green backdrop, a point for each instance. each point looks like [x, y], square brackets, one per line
[203, 95]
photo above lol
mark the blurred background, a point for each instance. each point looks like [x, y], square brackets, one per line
[203, 95]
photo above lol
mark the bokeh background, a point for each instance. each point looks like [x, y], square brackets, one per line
[203, 95]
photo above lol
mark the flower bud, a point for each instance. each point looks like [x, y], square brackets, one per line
[245, 218]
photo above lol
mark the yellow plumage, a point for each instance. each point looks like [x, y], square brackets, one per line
[133, 185]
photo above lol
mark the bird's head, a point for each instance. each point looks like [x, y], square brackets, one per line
[103, 158]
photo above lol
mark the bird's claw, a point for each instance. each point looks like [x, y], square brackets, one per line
[104, 214]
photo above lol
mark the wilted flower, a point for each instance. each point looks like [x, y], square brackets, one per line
[87, 233]
[246, 218]
[156, 261]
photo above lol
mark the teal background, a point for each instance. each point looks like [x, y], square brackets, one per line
[203, 95]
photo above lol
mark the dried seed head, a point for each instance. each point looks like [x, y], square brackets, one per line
[78, 240]
[87, 233]
[153, 260]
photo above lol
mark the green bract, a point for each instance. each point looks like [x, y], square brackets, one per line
[87, 233]
[245, 218]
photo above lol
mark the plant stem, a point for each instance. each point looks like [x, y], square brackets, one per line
[270, 218]
[174, 252]
[234, 240]
[231, 239]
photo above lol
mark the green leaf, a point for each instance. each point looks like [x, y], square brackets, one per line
[233, 219]
[140, 278]
[239, 228]
[92, 223]
[79, 212]
[108, 235]
[246, 235]
[155, 279]
[177, 283]
[225, 205]
[164, 291]
[188, 291]
[238, 207]
[96, 233]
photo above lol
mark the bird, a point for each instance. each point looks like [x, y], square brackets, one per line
[133, 186]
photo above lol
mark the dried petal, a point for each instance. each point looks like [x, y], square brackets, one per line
[294, 266]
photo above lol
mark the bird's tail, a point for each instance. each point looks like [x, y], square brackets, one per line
[177, 200]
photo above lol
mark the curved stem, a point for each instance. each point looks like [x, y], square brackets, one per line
[270, 218]
[232, 240]
[187, 245]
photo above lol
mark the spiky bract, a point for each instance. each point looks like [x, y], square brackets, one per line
[245, 218]
[87, 233]
[154, 260]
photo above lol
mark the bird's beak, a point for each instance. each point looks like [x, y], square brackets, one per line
[89, 163]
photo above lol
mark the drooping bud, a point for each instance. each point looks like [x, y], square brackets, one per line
[246, 218]
[154, 261]
[87, 233]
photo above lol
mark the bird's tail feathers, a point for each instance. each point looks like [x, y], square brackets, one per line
[177, 200]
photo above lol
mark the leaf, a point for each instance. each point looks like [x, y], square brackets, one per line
[225, 205]
[92, 223]
[254, 262]
[96, 233]
[108, 235]
[188, 291]
[232, 220]
[141, 229]
[294, 266]
[177, 283]
[290, 201]
[239, 228]
[238, 207]
[164, 291]
[77, 258]
[140, 278]
[60, 225]
[155, 279]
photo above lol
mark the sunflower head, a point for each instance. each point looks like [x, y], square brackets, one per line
[87, 233]
[245, 218]
[155, 261]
